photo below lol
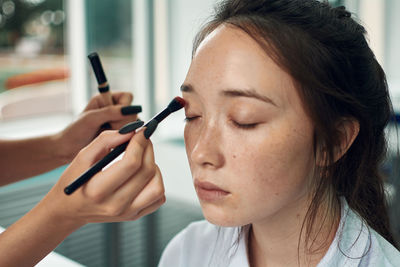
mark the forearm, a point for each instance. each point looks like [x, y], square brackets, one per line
[29, 157]
[32, 237]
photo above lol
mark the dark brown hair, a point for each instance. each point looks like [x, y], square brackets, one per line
[338, 77]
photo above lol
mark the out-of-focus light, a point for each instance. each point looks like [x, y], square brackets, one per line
[37, 28]
[47, 17]
[58, 17]
[32, 2]
[8, 8]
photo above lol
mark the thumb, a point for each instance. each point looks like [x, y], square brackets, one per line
[122, 98]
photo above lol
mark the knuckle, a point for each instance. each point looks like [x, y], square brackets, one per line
[150, 171]
[96, 196]
[104, 135]
[128, 97]
[134, 163]
[156, 192]
[115, 210]
[162, 200]
[161, 191]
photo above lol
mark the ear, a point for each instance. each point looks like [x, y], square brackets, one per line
[348, 129]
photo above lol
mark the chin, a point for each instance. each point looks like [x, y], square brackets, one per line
[219, 217]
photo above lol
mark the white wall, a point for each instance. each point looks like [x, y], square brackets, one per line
[185, 19]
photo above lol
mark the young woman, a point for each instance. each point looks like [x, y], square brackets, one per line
[286, 111]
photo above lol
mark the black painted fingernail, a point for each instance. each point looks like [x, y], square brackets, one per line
[129, 110]
[130, 127]
[106, 126]
[150, 128]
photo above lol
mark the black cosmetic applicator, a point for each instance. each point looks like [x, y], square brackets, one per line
[176, 104]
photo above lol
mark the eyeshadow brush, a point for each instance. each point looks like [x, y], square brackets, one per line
[176, 104]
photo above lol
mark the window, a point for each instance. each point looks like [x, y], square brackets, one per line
[109, 33]
[33, 69]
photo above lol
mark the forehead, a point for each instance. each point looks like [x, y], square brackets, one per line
[229, 58]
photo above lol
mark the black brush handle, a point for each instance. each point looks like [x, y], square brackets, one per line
[97, 68]
[96, 168]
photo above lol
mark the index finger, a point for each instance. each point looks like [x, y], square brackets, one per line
[108, 180]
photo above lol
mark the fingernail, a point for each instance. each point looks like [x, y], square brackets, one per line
[130, 127]
[106, 126]
[129, 110]
[150, 128]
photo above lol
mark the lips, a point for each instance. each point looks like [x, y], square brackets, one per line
[207, 191]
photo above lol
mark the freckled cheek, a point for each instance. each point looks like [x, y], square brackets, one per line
[261, 168]
[189, 138]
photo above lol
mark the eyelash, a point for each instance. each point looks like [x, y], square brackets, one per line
[189, 119]
[236, 124]
[245, 126]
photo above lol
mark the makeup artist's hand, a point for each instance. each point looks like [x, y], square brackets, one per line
[89, 124]
[127, 190]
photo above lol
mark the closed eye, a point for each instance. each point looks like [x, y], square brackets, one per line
[245, 126]
[192, 118]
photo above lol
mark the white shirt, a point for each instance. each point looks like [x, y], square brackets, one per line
[204, 244]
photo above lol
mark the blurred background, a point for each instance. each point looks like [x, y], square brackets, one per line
[145, 48]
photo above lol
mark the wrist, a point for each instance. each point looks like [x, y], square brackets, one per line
[56, 212]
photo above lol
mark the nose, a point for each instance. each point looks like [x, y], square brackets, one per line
[206, 149]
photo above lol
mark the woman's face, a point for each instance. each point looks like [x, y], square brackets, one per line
[248, 139]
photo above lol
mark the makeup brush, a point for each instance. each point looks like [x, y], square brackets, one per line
[176, 104]
[103, 86]
[102, 82]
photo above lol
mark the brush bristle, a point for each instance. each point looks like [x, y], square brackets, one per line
[176, 104]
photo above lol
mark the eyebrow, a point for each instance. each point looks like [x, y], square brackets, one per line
[187, 88]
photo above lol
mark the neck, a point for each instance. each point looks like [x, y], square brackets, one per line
[282, 239]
